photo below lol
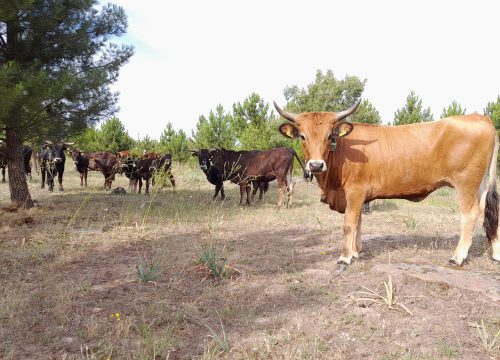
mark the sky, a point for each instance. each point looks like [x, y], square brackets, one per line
[192, 55]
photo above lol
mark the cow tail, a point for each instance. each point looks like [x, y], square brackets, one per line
[306, 174]
[490, 223]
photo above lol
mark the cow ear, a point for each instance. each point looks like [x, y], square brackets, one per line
[289, 130]
[195, 154]
[341, 129]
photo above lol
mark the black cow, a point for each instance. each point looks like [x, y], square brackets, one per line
[52, 160]
[81, 161]
[127, 166]
[144, 169]
[162, 169]
[107, 163]
[26, 152]
[213, 175]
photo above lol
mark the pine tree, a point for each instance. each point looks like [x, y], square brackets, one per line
[453, 109]
[56, 65]
[412, 112]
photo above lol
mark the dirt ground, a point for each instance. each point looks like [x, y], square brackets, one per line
[70, 286]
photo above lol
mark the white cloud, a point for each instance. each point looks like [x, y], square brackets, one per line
[193, 55]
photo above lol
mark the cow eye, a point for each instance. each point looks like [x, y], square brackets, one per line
[302, 137]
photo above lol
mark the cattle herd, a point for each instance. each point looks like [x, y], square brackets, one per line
[246, 168]
[352, 163]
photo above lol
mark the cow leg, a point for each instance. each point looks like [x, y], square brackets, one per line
[146, 192]
[290, 194]
[218, 187]
[43, 171]
[172, 181]
[111, 179]
[85, 174]
[352, 226]
[356, 249]
[469, 211]
[282, 185]
[3, 174]
[243, 189]
[256, 186]
[50, 180]
[140, 185]
[247, 190]
[222, 195]
[60, 179]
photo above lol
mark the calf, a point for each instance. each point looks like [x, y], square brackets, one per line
[82, 165]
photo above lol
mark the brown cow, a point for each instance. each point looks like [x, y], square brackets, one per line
[401, 162]
[246, 167]
[107, 163]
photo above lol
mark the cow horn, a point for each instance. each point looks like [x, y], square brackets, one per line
[343, 114]
[289, 116]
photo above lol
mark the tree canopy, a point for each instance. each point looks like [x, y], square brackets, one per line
[412, 111]
[452, 110]
[327, 93]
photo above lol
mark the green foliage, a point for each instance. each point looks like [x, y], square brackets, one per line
[56, 65]
[453, 109]
[145, 144]
[327, 93]
[493, 111]
[175, 142]
[112, 136]
[216, 131]
[412, 112]
[250, 122]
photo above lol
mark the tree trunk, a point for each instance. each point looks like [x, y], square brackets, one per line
[19, 193]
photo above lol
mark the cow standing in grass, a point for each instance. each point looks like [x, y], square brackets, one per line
[401, 162]
[81, 161]
[245, 167]
[52, 160]
[216, 177]
[162, 169]
[107, 163]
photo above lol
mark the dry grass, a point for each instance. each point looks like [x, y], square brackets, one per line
[70, 265]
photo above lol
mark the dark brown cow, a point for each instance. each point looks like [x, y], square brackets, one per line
[404, 162]
[245, 167]
[81, 161]
[107, 163]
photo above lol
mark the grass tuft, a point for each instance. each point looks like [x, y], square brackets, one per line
[489, 342]
[149, 272]
[213, 264]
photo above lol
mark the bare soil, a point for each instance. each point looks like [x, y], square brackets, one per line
[69, 266]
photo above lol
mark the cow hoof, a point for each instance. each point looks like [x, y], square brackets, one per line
[61, 190]
[341, 267]
[454, 262]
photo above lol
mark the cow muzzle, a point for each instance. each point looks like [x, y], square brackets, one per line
[203, 167]
[57, 160]
[316, 166]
